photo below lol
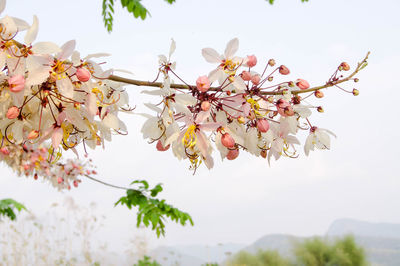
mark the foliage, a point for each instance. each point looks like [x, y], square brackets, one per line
[146, 262]
[318, 252]
[8, 207]
[152, 210]
[311, 252]
[134, 7]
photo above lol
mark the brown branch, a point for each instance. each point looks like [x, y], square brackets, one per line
[191, 87]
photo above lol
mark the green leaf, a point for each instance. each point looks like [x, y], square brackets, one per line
[150, 209]
[8, 208]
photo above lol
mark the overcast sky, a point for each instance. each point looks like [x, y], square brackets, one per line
[242, 200]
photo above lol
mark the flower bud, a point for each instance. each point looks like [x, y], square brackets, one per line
[246, 76]
[227, 140]
[232, 154]
[319, 94]
[262, 125]
[205, 106]
[83, 74]
[356, 79]
[5, 151]
[33, 134]
[255, 79]
[160, 146]
[26, 167]
[60, 180]
[263, 153]
[251, 60]
[302, 84]
[356, 92]
[345, 66]
[284, 108]
[296, 99]
[284, 70]
[320, 109]
[16, 83]
[271, 62]
[76, 183]
[202, 83]
[270, 79]
[36, 176]
[12, 112]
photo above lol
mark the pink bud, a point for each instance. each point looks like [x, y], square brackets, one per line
[12, 112]
[227, 140]
[284, 108]
[17, 83]
[26, 167]
[284, 70]
[35, 176]
[33, 134]
[262, 125]
[83, 74]
[246, 76]
[60, 180]
[160, 146]
[94, 172]
[302, 84]
[5, 151]
[255, 79]
[205, 106]
[202, 83]
[76, 183]
[251, 60]
[232, 154]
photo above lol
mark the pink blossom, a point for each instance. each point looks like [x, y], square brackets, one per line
[227, 140]
[5, 151]
[83, 74]
[255, 79]
[17, 83]
[302, 84]
[262, 125]
[202, 83]
[246, 76]
[205, 106]
[12, 112]
[284, 108]
[251, 60]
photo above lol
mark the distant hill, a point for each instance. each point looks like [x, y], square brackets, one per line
[361, 228]
[381, 242]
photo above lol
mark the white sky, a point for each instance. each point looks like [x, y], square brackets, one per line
[242, 200]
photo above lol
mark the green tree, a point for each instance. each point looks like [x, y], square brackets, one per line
[319, 252]
[146, 261]
[261, 258]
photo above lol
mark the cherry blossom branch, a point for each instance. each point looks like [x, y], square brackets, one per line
[191, 87]
[104, 183]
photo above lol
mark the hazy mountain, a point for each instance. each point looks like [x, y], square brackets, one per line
[361, 228]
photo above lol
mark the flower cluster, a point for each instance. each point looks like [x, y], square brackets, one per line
[36, 161]
[49, 93]
[243, 111]
[50, 96]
